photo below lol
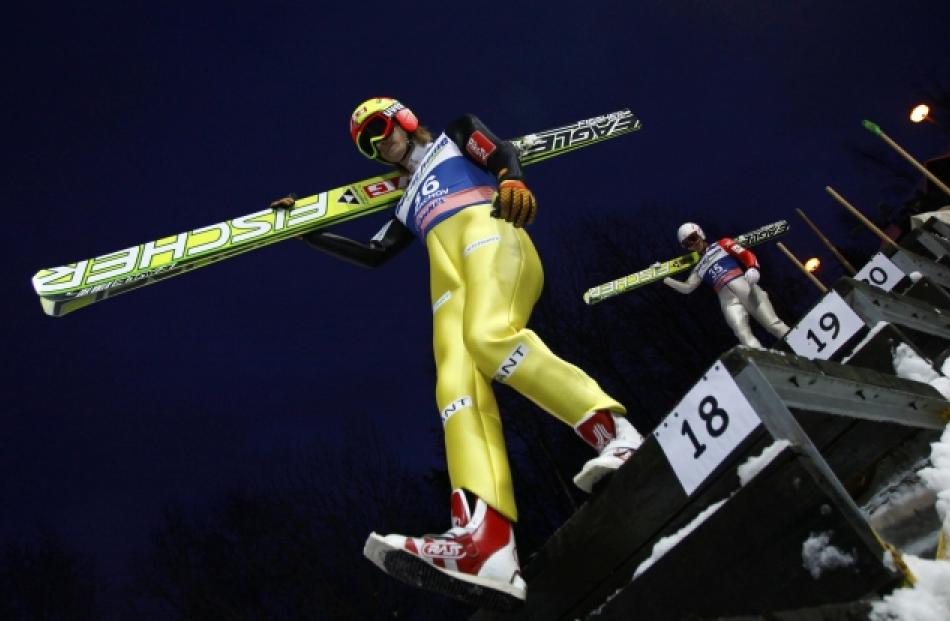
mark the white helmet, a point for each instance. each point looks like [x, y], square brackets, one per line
[688, 229]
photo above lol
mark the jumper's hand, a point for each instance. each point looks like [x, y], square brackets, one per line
[752, 275]
[515, 203]
[284, 203]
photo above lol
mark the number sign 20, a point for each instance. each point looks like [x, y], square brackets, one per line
[880, 272]
[710, 421]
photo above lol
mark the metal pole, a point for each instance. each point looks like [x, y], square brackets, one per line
[875, 129]
[847, 264]
[798, 263]
[860, 216]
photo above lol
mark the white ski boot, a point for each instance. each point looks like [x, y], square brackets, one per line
[614, 439]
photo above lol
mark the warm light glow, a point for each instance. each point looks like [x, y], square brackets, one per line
[919, 113]
[812, 264]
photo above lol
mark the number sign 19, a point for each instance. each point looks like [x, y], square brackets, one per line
[710, 421]
[822, 332]
[880, 272]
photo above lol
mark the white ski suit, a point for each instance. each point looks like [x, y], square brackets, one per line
[732, 271]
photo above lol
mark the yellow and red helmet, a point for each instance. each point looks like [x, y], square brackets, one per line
[373, 121]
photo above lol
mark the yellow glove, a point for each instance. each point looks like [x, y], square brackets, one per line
[515, 203]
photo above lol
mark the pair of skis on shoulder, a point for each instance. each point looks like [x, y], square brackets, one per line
[70, 287]
[674, 266]
[73, 286]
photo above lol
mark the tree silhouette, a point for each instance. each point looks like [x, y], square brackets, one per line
[43, 580]
[291, 547]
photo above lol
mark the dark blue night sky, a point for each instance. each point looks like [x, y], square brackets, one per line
[125, 122]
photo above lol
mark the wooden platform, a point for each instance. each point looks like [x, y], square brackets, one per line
[746, 558]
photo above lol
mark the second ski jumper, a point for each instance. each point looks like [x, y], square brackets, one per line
[733, 273]
[467, 201]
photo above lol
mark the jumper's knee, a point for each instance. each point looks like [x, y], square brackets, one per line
[497, 356]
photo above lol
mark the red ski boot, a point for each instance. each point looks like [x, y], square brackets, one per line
[475, 561]
[615, 440]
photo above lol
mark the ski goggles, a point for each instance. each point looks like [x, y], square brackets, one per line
[690, 239]
[377, 128]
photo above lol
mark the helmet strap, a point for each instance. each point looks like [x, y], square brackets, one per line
[413, 157]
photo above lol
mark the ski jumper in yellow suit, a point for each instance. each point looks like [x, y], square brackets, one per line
[485, 279]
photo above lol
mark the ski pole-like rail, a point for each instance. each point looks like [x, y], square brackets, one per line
[860, 216]
[874, 128]
[827, 242]
[791, 257]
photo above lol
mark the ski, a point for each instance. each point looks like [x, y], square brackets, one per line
[73, 286]
[674, 266]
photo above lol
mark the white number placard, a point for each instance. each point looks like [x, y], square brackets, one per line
[824, 329]
[710, 421]
[880, 272]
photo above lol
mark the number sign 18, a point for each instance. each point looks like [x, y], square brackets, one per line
[710, 421]
[822, 332]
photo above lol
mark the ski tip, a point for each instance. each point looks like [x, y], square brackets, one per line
[50, 307]
[872, 127]
[591, 297]
[60, 307]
